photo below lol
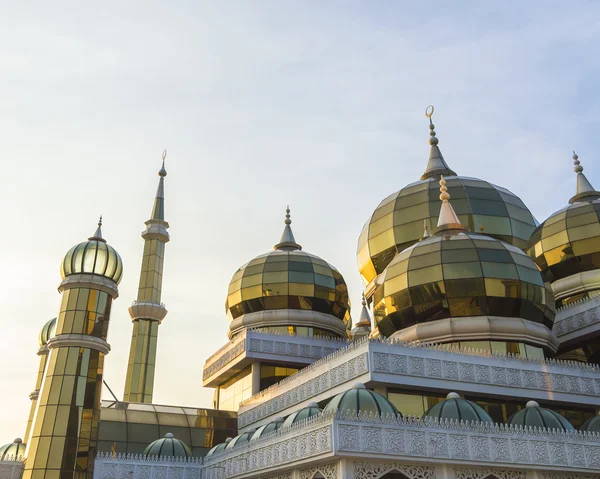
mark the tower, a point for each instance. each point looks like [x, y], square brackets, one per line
[65, 425]
[46, 333]
[147, 312]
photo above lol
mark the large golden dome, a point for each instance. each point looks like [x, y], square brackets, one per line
[566, 247]
[397, 222]
[285, 279]
[457, 274]
[93, 256]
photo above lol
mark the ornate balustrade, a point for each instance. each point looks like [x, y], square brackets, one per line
[11, 467]
[136, 466]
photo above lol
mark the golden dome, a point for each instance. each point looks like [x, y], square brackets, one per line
[47, 332]
[288, 278]
[460, 274]
[397, 222]
[93, 256]
[568, 242]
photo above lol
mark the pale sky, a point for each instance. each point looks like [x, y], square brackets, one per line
[315, 104]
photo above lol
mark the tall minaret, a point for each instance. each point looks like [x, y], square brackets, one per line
[148, 312]
[65, 424]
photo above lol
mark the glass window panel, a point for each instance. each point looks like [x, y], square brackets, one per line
[490, 208]
[422, 261]
[503, 288]
[588, 246]
[275, 277]
[579, 220]
[324, 270]
[253, 270]
[459, 288]
[305, 267]
[234, 286]
[583, 232]
[499, 270]
[251, 280]
[555, 240]
[530, 275]
[491, 224]
[494, 255]
[381, 242]
[462, 270]
[410, 200]
[396, 269]
[300, 256]
[520, 229]
[238, 275]
[324, 280]
[521, 214]
[235, 298]
[276, 266]
[275, 289]
[460, 255]
[381, 225]
[416, 212]
[395, 284]
[549, 230]
[301, 277]
[425, 275]
[252, 292]
[301, 289]
[100, 258]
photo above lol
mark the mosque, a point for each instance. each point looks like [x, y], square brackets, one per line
[474, 355]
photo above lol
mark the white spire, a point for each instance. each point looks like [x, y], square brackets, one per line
[287, 241]
[585, 190]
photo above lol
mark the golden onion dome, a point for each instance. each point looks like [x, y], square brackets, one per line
[47, 332]
[288, 279]
[93, 256]
[567, 244]
[397, 222]
[457, 274]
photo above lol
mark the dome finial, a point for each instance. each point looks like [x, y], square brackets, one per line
[448, 219]
[98, 233]
[436, 165]
[162, 172]
[426, 233]
[287, 241]
[585, 190]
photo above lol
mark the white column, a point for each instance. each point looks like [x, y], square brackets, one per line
[255, 378]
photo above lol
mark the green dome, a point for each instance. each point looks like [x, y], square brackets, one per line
[219, 447]
[397, 222]
[47, 332]
[460, 274]
[311, 409]
[283, 279]
[267, 429]
[536, 416]
[454, 407]
[241, 439]
[361, 399]
[592, 425]
[168, 446]
[93, 256]
[13, 450]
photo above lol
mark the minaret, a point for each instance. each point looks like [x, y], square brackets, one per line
[287, 241]
[363, 327]
[65, 425]
[46, 333]
[436, 164]
[147, 312]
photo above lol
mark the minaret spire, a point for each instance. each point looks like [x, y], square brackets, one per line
[363, 327]
[448, 219]
[98, 233]
[585, 190]
[436, 165]
[426, 233]
[147, 312]
[287, 241]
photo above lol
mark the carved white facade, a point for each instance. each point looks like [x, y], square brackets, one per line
[11, 468]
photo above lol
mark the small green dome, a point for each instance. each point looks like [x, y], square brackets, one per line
[47, 332]
[359, 398]
[168, 446]
[219, 447]
[93, 256]
[454, 407]
[536, 416]
[311, 409]
[241, 439]
[266, 429]
[12, 450]
[592, 425]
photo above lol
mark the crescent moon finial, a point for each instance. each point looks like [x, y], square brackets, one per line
[429, 111]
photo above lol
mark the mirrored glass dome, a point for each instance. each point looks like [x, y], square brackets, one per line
[283, 279]
[533, 415]
[168, 446]
[460, 274]
[47, 332]
[397, 222]
[458, 409]
[359, 398]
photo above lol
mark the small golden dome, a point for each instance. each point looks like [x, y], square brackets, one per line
[93, 256]
[397, 222]
[460, 274]
[47, 332]
[283, 279]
